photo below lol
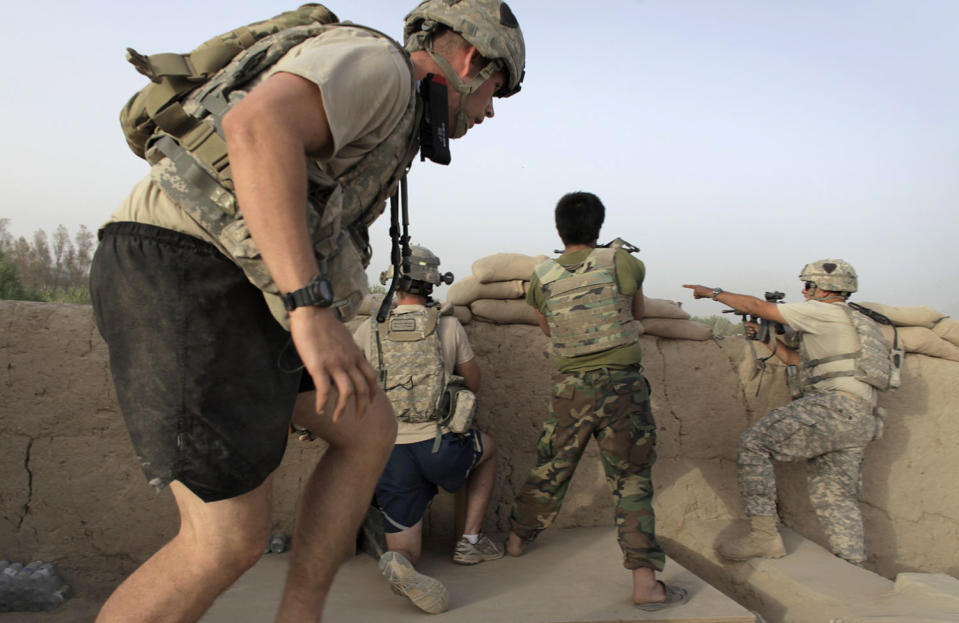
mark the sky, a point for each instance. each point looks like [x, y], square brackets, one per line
[732, 141]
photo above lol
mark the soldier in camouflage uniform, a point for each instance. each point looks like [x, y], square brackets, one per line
[415, 351]
[829, 427]
[232, 266]
[587, 301]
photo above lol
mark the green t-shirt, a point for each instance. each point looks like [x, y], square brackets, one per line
[630, 273]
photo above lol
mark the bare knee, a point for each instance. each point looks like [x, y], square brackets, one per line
[489, 448]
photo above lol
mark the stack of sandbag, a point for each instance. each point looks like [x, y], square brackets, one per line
[667, 319]
[921, 330]
[496, 292]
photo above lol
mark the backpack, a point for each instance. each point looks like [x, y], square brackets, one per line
[173, 76]
[875, 363]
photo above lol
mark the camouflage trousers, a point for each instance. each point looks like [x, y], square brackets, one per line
[613, 407]
[830, 431]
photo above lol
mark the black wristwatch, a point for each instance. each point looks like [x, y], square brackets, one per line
[717, 292]
[318, 293]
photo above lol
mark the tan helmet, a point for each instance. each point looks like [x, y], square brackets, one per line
[420, 273]
[489, 25]
[831, 275]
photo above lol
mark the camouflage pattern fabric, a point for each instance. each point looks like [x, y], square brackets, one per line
[613, 407]
[830, 431]
[409, 359]
[194, 171]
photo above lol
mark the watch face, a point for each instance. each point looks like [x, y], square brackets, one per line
[324, 292]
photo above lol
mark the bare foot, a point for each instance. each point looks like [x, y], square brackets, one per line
[655, 594]
[515, 546]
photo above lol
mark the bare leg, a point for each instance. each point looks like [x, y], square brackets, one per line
[515, 545]
[645, 587]
[217, 542]
[334, 500]
[408, 542]
[479, 487]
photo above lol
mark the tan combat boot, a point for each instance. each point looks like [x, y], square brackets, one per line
[763, 541]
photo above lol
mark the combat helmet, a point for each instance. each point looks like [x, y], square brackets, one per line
[489, 25]
[831, 275]
[419, 272]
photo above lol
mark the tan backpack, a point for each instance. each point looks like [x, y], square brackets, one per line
[173, 76]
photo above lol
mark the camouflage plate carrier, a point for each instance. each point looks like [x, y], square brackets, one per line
[874, 363]
[175, 124]
[585, 311]
[409, 358]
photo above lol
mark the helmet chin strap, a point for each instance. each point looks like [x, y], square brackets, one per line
[465, 89]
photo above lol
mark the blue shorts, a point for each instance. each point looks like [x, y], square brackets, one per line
[414, 473]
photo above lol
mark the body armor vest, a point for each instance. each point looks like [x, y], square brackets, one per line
[874, 363]
[585, 311]
[191, 166]
[410, 364]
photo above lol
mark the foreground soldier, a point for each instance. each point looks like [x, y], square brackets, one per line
[415, 350]
[587, 300]
[828, 427]
[213, 255]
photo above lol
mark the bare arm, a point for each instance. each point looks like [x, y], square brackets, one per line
[470, 371]
[543, 323]
[741, 303]
[268, 135]
[786, 354]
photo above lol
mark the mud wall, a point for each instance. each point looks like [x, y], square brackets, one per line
[72, 492]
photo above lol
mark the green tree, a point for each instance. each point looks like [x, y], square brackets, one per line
[721, 325]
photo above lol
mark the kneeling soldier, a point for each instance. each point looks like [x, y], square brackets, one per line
[428, 371]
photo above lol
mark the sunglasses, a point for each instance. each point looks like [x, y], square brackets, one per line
[809, 285]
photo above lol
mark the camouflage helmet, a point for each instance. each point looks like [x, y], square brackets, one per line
[488, 25]
[419, 272]
[831, 275]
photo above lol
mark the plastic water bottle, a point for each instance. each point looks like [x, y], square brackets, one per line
[8, 586]
[41, 585]
[57, 597]
[278, 543]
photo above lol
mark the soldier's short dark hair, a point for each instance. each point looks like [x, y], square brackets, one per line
[579, 217]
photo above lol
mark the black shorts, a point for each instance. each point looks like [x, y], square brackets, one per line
[205, 376]
[414, 473]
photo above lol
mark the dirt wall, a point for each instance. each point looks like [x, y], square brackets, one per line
[72, 492]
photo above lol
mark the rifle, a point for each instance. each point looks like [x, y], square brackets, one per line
[763, 334]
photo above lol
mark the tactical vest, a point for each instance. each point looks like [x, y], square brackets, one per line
[409, 358]
[874, 363]
[585, 311]
[191, 165]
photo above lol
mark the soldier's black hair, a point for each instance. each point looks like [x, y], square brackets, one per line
[579, 217]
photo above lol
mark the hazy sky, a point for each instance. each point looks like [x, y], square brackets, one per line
[732, 141]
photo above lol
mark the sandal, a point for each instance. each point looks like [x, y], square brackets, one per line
[675, 596]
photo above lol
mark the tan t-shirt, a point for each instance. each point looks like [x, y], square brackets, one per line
[827, 331]
[365, 83]
[456, 351]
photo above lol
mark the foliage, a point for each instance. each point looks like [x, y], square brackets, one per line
[721, 325]
[53, 269]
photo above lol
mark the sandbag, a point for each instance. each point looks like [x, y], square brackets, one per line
[918, 316]
[948, 329]
[677, 328]
[463, 314]
[662, 308]
[505, 267]
[370, 305]
[469, 289]
[514, 311]
[923, 341]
